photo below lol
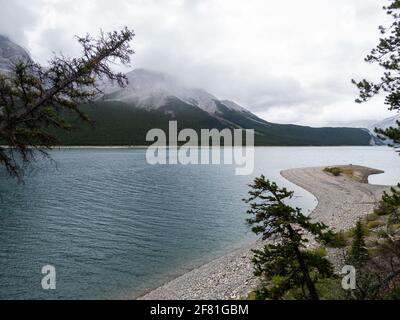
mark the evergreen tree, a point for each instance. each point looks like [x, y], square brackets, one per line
[284, 264]
[387, 55]
[390, 205]
[358, 253]
[35, 99]
[369, 280]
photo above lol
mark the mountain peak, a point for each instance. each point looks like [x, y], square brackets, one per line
[386, 123]
[151, 90]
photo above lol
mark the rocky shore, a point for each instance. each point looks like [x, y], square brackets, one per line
[341, 201]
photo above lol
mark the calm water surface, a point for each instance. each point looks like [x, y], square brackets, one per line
[115, 227]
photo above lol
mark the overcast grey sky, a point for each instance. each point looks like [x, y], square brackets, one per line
[288, 61]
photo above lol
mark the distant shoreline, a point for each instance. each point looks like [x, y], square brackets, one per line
[145, 147]
[166, 147]
[341, 201]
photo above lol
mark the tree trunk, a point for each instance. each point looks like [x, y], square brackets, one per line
[309, 283]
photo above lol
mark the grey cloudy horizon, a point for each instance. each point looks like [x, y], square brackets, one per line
[287, 61]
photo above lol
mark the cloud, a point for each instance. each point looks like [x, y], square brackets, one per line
[288, 61]
[16, 17]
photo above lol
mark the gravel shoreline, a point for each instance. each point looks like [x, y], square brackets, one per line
[341, 202]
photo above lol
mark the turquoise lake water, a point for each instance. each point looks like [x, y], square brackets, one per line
[115, 227]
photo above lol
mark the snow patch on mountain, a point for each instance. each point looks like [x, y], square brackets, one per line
[233, 106]
[386, 123]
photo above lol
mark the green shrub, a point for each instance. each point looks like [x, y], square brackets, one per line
[374, 224]
[373, 252]
[321, 251]
[330, 289]
[382, 234]
[394, 294]
[395, 226]
[373, 217]
[381, 211]
[339, 240]
[349, 234]
[252, 296]
[333, 170]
